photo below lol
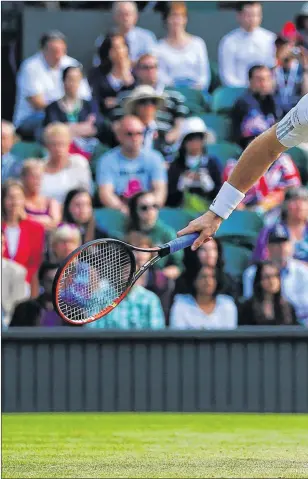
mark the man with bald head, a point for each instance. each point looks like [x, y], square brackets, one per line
[139, 40]
[129, 168]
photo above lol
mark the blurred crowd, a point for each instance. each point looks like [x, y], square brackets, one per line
[149, 134]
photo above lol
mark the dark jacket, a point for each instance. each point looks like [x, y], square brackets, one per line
[252, 115]
[250, 315]
[209, 165]
[101, 89]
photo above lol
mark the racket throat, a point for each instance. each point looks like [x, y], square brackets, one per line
[164, 251]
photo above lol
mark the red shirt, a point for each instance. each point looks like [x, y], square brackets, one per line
[30, 246]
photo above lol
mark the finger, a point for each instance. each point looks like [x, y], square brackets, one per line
[187, 230]
[203, 238]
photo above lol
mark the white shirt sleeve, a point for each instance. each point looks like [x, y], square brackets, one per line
[226, 63]
[293, 128]
[29, 82]
[204, 66]
[178, 314]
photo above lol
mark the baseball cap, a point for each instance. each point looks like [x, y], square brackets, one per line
[278, 234]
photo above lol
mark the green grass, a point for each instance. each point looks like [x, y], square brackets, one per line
[154, 445]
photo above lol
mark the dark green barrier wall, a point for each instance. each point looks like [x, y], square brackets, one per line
[246, 370]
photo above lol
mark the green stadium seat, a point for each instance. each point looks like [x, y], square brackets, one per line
[237, 259]
[111, 221]
[224, 151]
[28, 149]
[215, 79]
[195, 100]
[224, 98]
[241, 228]
[220, 124]
[300, 158]
[100, 149]
[177, 218]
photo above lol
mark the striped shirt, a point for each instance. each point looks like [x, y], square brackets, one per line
[293, 128]
[141, 309]
[174, 107]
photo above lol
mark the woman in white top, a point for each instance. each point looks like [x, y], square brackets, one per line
[204, 308]
[63, 171]
[183, 58]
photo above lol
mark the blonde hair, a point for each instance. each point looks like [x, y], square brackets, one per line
[65, 232]
[55, 129]
[31, 164]
[177, 7]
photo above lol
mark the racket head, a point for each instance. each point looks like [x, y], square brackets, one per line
[93, 280]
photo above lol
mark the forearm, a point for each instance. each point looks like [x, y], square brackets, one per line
[111, 200]
[255, 160]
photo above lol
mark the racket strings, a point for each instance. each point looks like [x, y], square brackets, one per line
[96, 277]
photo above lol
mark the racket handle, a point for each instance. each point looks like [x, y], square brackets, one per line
[180, 243]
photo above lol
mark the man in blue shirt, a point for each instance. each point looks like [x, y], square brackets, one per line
[129, 168]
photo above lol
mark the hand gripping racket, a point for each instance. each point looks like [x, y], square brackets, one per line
[96, 277]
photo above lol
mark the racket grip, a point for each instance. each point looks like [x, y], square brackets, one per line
[182, 242]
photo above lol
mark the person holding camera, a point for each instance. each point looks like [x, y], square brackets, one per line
[290, 72]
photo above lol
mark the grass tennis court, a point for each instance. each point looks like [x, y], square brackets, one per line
[154, 445]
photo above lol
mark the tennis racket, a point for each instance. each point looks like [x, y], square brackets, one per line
[97, 276]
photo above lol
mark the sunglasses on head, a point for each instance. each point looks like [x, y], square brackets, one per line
[148, 207]
[134, 133]
[147, 101]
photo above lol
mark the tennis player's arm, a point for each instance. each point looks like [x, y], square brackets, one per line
[256, 160]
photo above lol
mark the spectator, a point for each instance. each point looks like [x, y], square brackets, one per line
[252, 114]
[144, 102]
[139, 40]
[63, 171]
[10, 164]
[80, 115]
[183, 57]
[24, 238]
[113, 76]
[294, 273]
[246, 46]
[290, 73]
[39, 82]
[143, 217]
[78, 210]
[170, 115]
[267, 307]
[129, 168]
[256, 110]
[63, 241]
[294, 218]
[194, 176]
[13, 285]
[39, 311]
[154, 279]
[203, 307]
[301, 22]
[209, 254]
[45, 211]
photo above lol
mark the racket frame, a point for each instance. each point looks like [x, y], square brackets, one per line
[134, 276]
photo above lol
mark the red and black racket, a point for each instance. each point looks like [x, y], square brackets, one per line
[97, 276]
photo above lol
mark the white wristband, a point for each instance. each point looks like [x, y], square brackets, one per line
[226, 201]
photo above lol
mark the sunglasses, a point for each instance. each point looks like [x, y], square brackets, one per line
[148, 207]
[148, 67]
[147, 101]
[134, 133]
